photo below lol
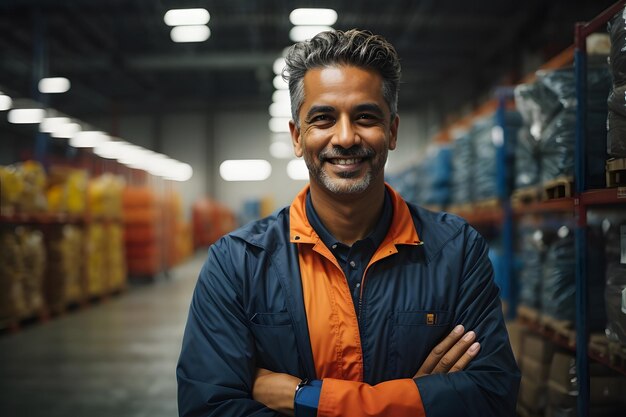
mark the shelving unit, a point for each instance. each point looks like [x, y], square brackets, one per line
[585, 198]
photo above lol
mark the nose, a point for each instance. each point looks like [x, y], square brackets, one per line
[345, 134]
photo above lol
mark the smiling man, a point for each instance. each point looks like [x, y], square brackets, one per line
[350, 301]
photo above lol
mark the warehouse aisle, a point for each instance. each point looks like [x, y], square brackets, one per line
[117, 358]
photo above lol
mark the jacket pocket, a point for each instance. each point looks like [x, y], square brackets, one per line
[275, 342]
[413, 335]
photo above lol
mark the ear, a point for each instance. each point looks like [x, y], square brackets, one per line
[393, 133]
[296, 139]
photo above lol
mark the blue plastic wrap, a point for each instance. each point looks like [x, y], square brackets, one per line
[462, 170]
[527, 171]
[615, 251]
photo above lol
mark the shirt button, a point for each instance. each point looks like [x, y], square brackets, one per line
[357, 285]
[334, 246]
[353, 264]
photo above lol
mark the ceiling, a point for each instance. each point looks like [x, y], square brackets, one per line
[120, 59]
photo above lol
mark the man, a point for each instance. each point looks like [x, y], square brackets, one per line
[335, 306]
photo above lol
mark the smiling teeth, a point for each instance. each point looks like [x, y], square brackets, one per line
[346, 161]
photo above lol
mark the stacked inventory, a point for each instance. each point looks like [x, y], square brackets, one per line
[142, 233]
[178, 244]
[210, 220]
[616, 120]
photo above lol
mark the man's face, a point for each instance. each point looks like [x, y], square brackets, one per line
[345, 129]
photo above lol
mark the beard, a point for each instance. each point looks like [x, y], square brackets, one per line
[346, 182]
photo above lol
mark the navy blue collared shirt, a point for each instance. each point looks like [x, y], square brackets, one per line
[353, 259]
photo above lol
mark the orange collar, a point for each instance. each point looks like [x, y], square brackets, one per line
[401, 231]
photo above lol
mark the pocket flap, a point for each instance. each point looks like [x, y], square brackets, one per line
[422, 318]
[271, 319]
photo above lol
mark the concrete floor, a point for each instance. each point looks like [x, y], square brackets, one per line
[116, 358]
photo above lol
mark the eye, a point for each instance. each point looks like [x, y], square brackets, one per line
[367, 118]
[321, 119]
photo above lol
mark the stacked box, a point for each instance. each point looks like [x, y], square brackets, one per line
[96, 259]
[142, 234]
[23, 187]
[104, 196]
[64, 282]
[535, 362]
[67, 190]
[22, 267]
[605, 391]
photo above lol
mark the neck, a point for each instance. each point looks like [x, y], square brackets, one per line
[349, 217]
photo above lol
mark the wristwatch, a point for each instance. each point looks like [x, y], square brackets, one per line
[301, 409]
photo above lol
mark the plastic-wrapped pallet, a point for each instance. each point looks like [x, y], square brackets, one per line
[614, 227]
[64, 282]
[557, 138]
[462, 170]
[485, 185]
[559, 278]
[33, 253]
[434, 177]
[526, 160]
[616, 121]
[12, 302]
[533, 251]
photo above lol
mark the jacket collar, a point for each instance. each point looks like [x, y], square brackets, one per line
[401, 231]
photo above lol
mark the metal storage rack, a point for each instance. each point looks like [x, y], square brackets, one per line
[585, 198]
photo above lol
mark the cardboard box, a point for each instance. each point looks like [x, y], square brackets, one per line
[563, 371]
[535, 370]
[532, 394]
[537, 348]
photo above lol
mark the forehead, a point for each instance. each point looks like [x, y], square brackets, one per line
[342, 84]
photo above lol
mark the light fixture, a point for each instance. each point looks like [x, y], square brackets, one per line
[54, 85]
[111, 149]
[279, 124]
[51, 124]
[302, 33]
[280, 83]
[5, 102]
[182, 34]
[186, 17]
[281, 150]
[66, 131]
[279, 65]
[311, 16]
[179, 171]
[280, 96]
[280, 109]
[88, 139]
[26, 116]
[245, 170]
[297, 170]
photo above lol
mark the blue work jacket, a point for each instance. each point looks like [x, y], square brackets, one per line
[247, 311]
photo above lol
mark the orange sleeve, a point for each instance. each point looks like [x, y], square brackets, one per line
[397, 398]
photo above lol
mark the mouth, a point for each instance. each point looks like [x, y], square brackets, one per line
[345, 161]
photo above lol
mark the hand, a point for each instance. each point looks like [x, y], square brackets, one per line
[452, 354]
[275, 390]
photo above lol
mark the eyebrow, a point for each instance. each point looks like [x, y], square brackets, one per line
[318, 109]
[365, 107]
[370, 107]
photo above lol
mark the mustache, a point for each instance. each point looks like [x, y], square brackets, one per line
[339, 152]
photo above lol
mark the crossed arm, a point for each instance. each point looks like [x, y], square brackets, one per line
[454, 353]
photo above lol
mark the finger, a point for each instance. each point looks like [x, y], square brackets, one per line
[455, 353]
[440, 350]
[466, 358]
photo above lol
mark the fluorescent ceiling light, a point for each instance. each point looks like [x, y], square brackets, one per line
[279, 124]
[319, 17]
[281, 109]
[245, 170]
[88, 139]
[281, 150]
[51, 124]
[186, 17]
[54, 85]
[297, 170]
[279, 65]
[111, 149]
[302, 33]
[280, 96]
[179, 171]
[67, 131]
[5, 102]
[26, 116]
[280, 83]
[181, 34]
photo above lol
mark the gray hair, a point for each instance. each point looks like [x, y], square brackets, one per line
[355, 47]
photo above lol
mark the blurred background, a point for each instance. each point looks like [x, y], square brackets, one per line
[134, 133]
